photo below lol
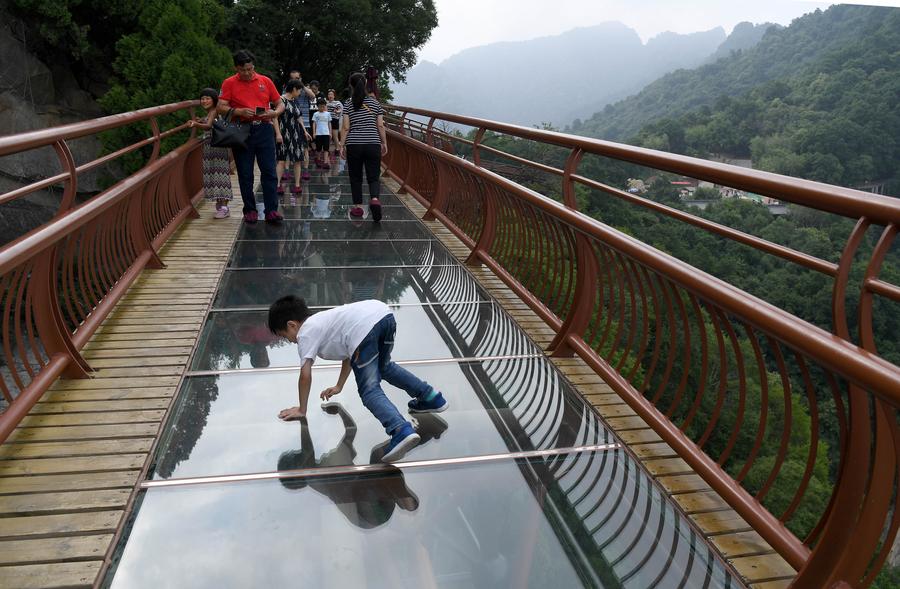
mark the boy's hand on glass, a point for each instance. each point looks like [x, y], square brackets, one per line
[291, 413]
[329, 392]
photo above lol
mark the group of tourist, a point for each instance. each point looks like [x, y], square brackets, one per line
[283, 128]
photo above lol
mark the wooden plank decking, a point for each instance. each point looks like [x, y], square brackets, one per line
[753, 558]
[69, 470]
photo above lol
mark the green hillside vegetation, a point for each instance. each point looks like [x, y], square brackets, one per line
[813, 44]
[839, 123]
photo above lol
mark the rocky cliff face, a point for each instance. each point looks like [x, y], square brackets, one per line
[36, 95]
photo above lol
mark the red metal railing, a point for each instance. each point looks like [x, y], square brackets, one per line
[742, 390]
[59, 282]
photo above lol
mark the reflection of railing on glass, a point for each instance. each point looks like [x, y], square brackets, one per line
[636, 553]
[60, 281]
[745, 392]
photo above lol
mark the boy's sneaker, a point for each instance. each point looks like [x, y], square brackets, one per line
[435, 404]
[375, 209]
[251, 217]
[356, 211]
[402, 441]
[274, 217]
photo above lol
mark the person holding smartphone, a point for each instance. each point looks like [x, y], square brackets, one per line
[250, 94]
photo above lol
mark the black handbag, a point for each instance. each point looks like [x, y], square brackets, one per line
[227, 132]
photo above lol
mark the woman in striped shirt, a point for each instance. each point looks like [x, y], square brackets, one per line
[363, 143]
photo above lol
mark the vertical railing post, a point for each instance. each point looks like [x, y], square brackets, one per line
[568, 185]
[402, 170]
[52, 331]
[183, 193]
[137, 231]
[587, 269]
[476, 144]
[439, 201]
[429, 133]
[154, 126]
[488, 231]
[67, 163]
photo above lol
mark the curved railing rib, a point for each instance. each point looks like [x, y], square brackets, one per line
[60, 281]
[742, 390]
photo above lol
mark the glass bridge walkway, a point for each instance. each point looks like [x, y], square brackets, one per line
[518, 484]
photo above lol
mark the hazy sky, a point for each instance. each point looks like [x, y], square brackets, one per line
[468, 23]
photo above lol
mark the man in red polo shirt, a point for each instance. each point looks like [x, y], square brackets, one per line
[252, 95]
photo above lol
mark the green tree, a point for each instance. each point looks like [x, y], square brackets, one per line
[707, 193]
[330, 39]
[170, 58]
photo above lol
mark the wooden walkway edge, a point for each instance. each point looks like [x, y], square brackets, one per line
[69, 472]
[749, 555]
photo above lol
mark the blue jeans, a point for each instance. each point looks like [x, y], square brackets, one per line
[261, 147]
[372, 363]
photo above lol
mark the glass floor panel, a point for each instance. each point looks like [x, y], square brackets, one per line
[241, 339]
[589, 519]
[320, 254]
[339, 194]
[324, 209]
[310, 230]
[228, 423]
[329, 287]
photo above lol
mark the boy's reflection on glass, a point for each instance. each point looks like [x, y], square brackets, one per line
[367, 500]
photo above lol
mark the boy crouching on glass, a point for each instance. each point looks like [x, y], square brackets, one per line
[361, 335]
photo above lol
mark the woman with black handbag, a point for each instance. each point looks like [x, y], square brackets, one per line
[216, 165]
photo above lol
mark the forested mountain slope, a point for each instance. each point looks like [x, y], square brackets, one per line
[838, 39]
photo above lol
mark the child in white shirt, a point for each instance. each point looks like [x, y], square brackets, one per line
[361, 335]
[322, 123]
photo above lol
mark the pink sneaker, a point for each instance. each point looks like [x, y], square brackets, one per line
[305, 176]
[274, 217]
[251, 217]
[357, 212]
[222, 212]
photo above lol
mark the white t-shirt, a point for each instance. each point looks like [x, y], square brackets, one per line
[336, 333]
[323, 122]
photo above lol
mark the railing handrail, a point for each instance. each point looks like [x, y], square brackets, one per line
[834, 199]
[11, 144]
[70, 221]
[853, 362]
[63, 278]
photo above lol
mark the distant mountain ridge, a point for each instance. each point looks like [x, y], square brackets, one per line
[781, 53]
[552, 79]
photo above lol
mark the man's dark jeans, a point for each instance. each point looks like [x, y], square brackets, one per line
[260, 147]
